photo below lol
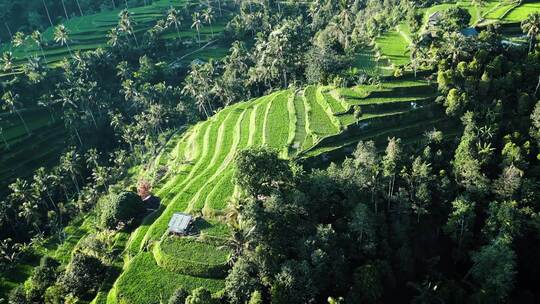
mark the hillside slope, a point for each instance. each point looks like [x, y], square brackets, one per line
[199, 166]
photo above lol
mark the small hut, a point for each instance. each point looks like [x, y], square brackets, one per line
[180, 223]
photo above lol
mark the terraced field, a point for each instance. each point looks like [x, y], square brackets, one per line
[19, 157]
[304, 123]
[90, 32]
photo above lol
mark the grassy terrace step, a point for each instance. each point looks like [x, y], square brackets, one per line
[319, 121]
[212, 177]
[191, 256]
[143, 281]
[393, 46]
[376, 124]
[300, 130]
[521, 12]
[276, 131]
[90, 31]
[181, 195]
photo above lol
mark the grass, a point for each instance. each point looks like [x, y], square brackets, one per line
[522, 12]
[393, 47]
[277, 122]
[143, 281]
[89, 32]
[300, 129]
[320, 122]
[191, 256]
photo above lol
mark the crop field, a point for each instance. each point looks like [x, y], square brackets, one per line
[90, 32]
[393, 46]
[303, 123]
[521, 12]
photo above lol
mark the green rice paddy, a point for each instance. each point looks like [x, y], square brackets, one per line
[300, 123]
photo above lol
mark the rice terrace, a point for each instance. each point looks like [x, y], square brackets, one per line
[244, 152]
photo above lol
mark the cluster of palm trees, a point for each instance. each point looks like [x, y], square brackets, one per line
[42, 203]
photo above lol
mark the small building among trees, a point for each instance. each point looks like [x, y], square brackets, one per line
[180, 223]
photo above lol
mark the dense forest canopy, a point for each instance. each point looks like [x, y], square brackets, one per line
[352, 151]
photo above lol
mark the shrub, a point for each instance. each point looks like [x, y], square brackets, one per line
[179, 296]
[54, 295]
[42, 277]
[18, 296]
[125, 208]
[83, 274]
[200, 296]
[256, 298]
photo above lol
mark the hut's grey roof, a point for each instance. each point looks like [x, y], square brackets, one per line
[179, 223]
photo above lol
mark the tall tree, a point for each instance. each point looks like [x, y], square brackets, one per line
[531, 27]
[37, 37]
[61, 35]
[126, 24]
[197, 23]
[208, 15]
[173, 18]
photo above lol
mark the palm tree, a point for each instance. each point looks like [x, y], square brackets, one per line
[197, 23]
[414, 50]
[7, 61]
[208, 15]
[33, 69]
[70, 164]
[126, 24]
[42, 183]
[113, 37]
[11, 104]
[37, 37]
[48, 102]
[173, 18]
[18, 39]
[531, 27]
[61, 36]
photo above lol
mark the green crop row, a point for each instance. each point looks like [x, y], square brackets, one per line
[143, 278]
[335, 106]
[521, 12]
[277, 121]
[192, 257]
[176, 203]
[321, 100]
[319, 121]
[301, 123]
[293, 120]
[211, 177]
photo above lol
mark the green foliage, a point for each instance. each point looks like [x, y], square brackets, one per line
[367, 282]
[83, 275]
[256, 170]
[200, 296]
[125, 208]
[192, 257]
[179, 296]
[455, 18]
[460, 222]
[256, 298]
[240, 282]
[42, 278]
[494, 270]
